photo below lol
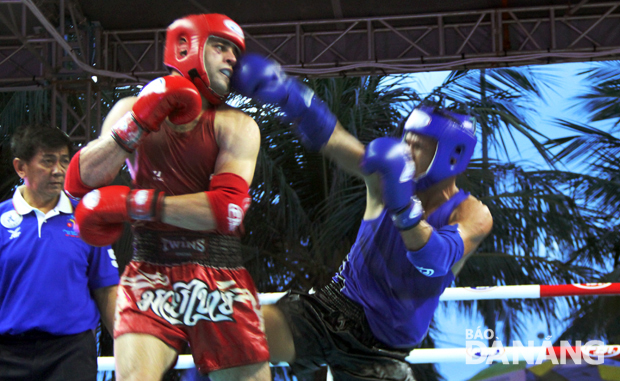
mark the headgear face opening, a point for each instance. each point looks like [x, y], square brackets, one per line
[185, 44]
[456, 140]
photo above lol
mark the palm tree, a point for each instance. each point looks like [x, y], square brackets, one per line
[306, 212]
[532, 214]
[596, 152]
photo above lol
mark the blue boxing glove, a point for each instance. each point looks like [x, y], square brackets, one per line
[392, 160]
[262, 79]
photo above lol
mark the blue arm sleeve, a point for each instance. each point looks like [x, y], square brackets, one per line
[443, 249]
[103, 268]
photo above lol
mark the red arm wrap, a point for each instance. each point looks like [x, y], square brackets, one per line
[229, 199]
[74, 186]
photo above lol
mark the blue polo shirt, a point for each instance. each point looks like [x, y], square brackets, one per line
[47, 273]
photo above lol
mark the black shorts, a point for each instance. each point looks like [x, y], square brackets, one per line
[328, 328]
[37, 356]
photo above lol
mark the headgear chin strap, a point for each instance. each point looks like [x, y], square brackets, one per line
[456, 140]
[185, 43]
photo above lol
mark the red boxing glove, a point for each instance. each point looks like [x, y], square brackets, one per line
[171, 96]
[101, 213]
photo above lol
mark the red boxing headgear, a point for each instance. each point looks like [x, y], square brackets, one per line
[185, 43]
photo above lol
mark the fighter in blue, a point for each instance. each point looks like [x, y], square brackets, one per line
[418, 230]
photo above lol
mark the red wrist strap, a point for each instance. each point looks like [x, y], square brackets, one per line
[127, 133]
[145, 204]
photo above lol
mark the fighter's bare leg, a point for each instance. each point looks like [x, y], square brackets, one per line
[141, 357]
[253, 372]
[279, 336]
[281, 348]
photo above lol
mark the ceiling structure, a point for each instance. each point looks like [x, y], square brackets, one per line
[64, 45]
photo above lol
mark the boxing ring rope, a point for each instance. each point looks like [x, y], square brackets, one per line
[506, 292]
[477, 353]
[441, 355]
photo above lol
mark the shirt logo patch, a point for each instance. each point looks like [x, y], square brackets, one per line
[11, 219]
[71, 230]
[15, 233]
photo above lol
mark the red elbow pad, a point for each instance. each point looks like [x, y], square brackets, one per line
[74, 187]
[229, 199]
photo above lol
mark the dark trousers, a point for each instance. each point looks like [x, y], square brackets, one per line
[36, 356]
[329, 328]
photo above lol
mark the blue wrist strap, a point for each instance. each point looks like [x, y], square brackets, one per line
[315, 122]
[316, 126]
[410, 216]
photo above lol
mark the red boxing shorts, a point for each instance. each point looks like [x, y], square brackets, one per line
[203, 300]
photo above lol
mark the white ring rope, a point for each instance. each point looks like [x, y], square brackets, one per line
[506, 292]
[479, 354]
[476, 354]
[441, 355]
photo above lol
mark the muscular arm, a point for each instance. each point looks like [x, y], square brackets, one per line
[474, 224]
[105, 297]
[172, 97]
[102, 158]
[238, 138]
[347, 152]
[264, 80]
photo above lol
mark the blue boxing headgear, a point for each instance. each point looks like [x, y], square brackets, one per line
[456, 140]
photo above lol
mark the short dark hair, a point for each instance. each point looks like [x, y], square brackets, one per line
[28, 140]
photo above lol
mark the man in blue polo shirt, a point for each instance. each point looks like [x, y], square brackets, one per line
[53, 286]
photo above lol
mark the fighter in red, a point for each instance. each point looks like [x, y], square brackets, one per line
[191, 159]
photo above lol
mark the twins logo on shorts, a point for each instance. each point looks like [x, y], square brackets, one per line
[188, 303]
